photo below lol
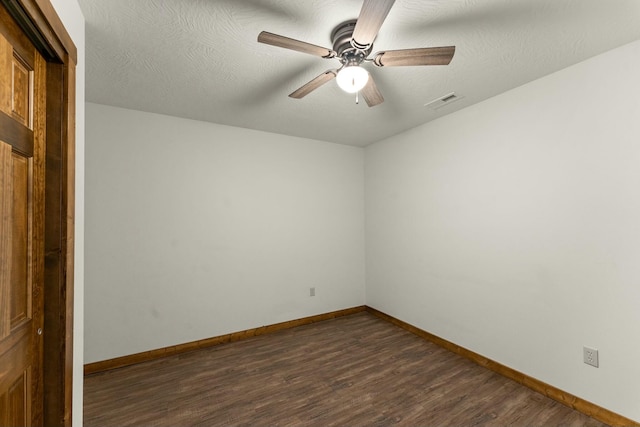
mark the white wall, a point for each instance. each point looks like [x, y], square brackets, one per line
[73, 20]
[512, 228]
[196, 230]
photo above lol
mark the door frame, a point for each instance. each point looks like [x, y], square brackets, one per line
[39, 20]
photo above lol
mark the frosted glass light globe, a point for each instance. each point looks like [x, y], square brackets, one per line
[352, 78]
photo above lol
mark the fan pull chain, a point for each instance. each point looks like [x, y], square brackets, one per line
[357, 98]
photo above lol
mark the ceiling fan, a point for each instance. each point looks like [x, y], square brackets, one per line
[352, 44]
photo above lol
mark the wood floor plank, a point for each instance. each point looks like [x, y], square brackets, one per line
[353, 370]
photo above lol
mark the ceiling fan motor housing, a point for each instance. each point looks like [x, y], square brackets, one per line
[341, 38]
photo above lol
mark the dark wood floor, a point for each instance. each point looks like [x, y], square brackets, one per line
[357, 370]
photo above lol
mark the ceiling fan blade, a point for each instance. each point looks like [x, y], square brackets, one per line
[372, 15]
[420, 56]
[313, 84]
[371, 94]
[293, 44]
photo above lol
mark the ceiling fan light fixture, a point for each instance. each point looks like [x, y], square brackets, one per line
[352, 78]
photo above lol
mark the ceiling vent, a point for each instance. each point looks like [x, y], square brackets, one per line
[443, 100]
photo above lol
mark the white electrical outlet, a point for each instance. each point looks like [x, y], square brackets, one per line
[590, 356]
[312, 292]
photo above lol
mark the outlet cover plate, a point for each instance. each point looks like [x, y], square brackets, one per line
[590, 356]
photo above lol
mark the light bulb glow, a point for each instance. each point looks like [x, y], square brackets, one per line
[352, 78]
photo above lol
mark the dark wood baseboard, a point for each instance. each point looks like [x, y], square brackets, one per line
[119, 362]
[574, 402]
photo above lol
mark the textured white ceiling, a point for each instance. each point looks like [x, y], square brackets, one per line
[199, 59]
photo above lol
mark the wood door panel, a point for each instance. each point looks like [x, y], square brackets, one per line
[6, 65]
[15, 390]
[6, 200]
[21, 90]
[18, 396]
[13, 404]
[16, 81]
[21, 278]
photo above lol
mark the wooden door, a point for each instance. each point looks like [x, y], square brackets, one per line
[22, 162]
